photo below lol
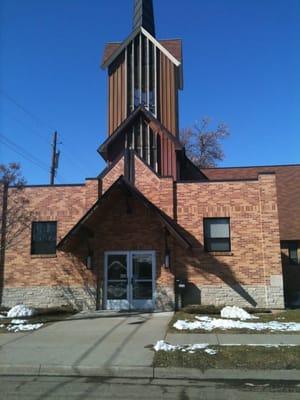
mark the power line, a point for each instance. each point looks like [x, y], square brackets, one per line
[33, 116]
[27, 155]
[67, 153]
[23, 153]
[35, 131]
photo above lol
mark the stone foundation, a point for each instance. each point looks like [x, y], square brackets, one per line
[165, 298]
[84, 298]
[242, 296]
[80, 298]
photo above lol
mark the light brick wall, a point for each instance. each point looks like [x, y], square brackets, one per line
[66, 205]
[158, 190]
[254, 260]
[250, 274]
[112, 175]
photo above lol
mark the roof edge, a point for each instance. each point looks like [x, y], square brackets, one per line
[129, 38]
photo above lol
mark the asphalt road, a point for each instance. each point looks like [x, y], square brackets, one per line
[44, 388]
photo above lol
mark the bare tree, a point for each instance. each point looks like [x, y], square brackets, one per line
[202, 144]
[14, 215]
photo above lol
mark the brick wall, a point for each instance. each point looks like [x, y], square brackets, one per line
[251, 273]
[112, 175]
[66, 205]
[125, 224]
[158, 190]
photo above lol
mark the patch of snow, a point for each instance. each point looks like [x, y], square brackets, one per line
[20, 310]
[236, 312]
[253, 385]
[2, 316]
[197, 346]
[208, 324]
[18, 321]
[162, 345]
[23, 328]
[211, 352]
[2, 325]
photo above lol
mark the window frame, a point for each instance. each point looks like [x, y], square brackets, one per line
[293, 246]
[207, 238]
[43, 253]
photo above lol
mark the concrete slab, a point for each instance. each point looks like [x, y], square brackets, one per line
[121, 341]
[230, 338]
[191, 338]
[254, 338]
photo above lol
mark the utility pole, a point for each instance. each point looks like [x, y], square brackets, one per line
[55, 157]
[3, 235]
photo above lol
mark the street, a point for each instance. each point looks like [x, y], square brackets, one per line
[41, 388]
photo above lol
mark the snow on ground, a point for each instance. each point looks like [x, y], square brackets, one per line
[161, 345]
[236, 312]
[20, 310]
[23, 327]
[208, 324]
[20, 325]
[18, 321]
[211, 352]
[2, 316]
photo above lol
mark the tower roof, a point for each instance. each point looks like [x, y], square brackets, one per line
[143, 16]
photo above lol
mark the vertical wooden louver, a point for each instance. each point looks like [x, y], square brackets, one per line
[116, 93]
[168, 94]
[142, 75]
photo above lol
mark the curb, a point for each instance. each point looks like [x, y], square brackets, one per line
[79, 371]
[150, 372]
[227, 374]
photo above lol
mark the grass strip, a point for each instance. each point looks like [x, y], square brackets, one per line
[232, 357]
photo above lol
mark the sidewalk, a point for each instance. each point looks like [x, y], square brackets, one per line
[102, 345]
[231, 338]
[120, 346]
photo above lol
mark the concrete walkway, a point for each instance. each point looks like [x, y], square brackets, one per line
[105, 343]
[230, 338]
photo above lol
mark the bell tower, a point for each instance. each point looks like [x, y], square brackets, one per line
[144, 77]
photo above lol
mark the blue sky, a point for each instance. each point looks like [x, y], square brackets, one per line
[241, 67]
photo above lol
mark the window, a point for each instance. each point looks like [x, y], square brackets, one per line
[293, 252]
[216, 234]
[142, 67]
[43, 238]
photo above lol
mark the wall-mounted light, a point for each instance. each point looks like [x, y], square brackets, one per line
[167, 259]
[89, 263]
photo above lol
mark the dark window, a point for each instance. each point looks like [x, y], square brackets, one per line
[293, 252]
[216, 234]
[43, 238]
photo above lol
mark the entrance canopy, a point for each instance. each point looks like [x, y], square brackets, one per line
[84, 225]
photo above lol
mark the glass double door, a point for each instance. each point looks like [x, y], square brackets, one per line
[129, 280]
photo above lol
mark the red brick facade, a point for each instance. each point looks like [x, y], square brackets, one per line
[250, 274]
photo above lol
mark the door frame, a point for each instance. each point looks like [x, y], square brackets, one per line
[129, 254]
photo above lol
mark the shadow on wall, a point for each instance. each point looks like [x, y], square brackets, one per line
[182, 260]
[209, 267]
[81, 295]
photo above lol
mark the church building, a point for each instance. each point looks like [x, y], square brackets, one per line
[153, 228]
